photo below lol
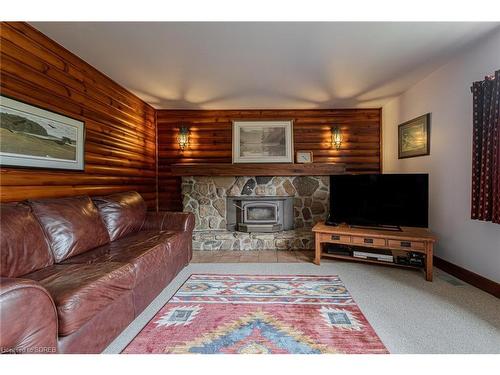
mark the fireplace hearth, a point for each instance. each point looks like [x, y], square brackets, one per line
[217, 219]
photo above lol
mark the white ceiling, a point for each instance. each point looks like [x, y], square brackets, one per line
[265, 65]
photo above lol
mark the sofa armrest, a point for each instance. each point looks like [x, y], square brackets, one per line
[163, 220]
[28, 317]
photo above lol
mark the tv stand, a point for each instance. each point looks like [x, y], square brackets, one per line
[408, 239]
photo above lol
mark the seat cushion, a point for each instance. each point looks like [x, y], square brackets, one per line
[147, 251]
[71, 225]
[24, 248]
[81, 291]
[122, 213]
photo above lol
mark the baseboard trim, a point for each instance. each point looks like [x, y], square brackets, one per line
[470, 277]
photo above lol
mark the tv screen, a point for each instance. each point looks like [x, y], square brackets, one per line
[379, 200]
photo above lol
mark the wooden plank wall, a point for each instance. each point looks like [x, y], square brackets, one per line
[120, 148]
[211, 134]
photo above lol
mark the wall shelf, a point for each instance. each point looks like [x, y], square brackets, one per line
[261, 169]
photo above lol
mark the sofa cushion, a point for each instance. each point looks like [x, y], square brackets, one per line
[81, 291]
[71, 225]
[24, 248]
[147, 251]
[167, 220]
[122, 213]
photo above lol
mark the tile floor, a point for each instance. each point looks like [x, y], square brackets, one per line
[259, 256]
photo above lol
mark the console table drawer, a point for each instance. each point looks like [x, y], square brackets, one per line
[368, 241]
[406, 245]
[340, 238]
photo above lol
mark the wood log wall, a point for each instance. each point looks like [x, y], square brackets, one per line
[211, 136]
[120, 148]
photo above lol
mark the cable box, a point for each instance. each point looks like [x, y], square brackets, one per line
[337, 249]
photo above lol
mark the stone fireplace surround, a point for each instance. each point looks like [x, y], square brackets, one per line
[206, 198]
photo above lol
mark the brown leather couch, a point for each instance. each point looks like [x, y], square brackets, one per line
[76, 271]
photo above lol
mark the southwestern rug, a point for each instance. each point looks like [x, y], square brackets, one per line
[238, 314]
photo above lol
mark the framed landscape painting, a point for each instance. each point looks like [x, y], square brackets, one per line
[34, 137]
[414, 137]
[262, 142]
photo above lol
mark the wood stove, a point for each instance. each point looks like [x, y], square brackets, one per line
[259, 214]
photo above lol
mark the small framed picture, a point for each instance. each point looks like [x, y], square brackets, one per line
[304, 157]
[414, 137]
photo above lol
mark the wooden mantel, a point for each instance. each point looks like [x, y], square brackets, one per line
[261, 169]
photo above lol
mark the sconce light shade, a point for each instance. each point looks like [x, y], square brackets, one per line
[183, 137]
[336, 137]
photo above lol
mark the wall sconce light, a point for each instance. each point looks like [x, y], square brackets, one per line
[336, 137]
[183, 137]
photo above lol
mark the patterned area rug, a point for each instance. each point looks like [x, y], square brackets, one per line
[237, 314]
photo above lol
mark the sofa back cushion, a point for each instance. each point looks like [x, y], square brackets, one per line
[122, 213]
[71, 225]
[24, 248]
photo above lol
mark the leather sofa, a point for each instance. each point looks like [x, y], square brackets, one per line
[76, 271]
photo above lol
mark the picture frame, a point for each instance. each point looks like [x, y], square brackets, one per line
[304, 157]
[262, 141]
[33, 137]
[414, 137]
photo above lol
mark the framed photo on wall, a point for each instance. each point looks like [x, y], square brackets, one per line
[263, 141]
[414, 137]
[304, 157]
[35, 137]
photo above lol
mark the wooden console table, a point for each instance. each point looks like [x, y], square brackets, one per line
[419, 240]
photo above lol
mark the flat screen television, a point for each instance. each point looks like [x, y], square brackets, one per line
[379, 200]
